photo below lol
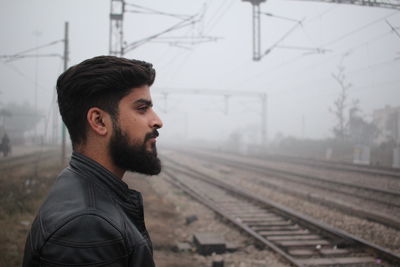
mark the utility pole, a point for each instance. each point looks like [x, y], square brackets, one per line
[226, 94]
[63, 130]
[116, 45]
[256, 28]
[264, 135]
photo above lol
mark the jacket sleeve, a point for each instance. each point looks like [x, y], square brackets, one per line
[86, 240]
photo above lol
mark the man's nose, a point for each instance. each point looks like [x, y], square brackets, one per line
[157, 122]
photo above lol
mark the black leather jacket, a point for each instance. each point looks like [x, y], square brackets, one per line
[90, 218]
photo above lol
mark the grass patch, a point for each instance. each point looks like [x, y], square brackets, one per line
[23, 191]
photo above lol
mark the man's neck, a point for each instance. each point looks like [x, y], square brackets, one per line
[102, 158]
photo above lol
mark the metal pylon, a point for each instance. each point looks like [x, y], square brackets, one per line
[256, 28]
[116, 45]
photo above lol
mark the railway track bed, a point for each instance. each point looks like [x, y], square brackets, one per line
[301, 240]
[334, 165]
[366, 202]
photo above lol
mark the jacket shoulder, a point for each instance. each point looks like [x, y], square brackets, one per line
[73, 195]
[81, 224]
[86, 239]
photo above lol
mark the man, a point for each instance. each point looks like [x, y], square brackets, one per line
[90, 217]
[5, 145]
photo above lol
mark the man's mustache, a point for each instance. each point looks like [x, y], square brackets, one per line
[153, 134]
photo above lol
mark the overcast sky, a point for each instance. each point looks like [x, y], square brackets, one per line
[298, 83]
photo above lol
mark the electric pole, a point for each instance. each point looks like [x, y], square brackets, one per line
[264, 117]
[256, 28]
[116, 45]
[65, 57]
[226, 94]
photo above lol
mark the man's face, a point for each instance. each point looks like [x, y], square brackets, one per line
[133, 142]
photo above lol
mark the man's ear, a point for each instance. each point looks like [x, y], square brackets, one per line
[99, 121]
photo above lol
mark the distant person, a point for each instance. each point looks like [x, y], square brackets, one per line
[5, 145]
[91, 217]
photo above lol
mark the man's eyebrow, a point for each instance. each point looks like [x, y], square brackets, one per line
[143, 102]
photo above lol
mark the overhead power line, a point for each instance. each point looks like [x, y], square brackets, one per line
[281, 39]
[280, 17]
[240, 65]
[339, 39]
[327, 60]
[393, 28]
[218, 15]
[118, 46]
[14, 57]
[182, 39]
[257, 54]
[23, 54]
[392, 4]
[151, 11]
[348, 34]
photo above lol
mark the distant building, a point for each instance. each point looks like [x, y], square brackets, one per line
[388, 122]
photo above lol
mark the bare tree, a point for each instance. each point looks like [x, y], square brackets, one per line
[340, 104]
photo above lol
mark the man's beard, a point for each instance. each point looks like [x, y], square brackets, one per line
[134, 157]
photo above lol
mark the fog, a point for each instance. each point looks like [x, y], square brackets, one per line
[207, 91]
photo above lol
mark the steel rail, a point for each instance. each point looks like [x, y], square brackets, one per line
[364, 214]
[285, 174]
[326, 184]
[335, 165]
[313, 231]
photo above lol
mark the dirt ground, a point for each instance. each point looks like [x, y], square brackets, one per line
[161, 220]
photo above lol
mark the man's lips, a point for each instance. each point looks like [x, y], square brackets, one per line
[152, 136]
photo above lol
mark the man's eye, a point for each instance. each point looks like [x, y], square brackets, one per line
[144, 108]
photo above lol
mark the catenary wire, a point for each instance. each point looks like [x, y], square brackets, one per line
[290, 61]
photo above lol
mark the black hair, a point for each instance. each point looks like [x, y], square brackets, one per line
[98, 82]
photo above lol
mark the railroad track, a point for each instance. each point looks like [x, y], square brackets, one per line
[385, 199]
[11, 163]
[335, 165]
[297, 238]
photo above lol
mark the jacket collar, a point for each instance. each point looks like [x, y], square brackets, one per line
[95, 172]
[130, 200]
